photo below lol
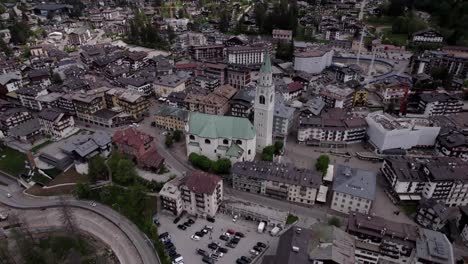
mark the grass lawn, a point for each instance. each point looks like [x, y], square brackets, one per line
[394, 39]
[61, 190]
[380, 21]
[291, 219]
[38, 147]
[12, 161]
[69, 176]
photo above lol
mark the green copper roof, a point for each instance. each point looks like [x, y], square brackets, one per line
[234, 151]
[214, 126]
[266, 66]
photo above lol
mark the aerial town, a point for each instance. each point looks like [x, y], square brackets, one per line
[234, 132]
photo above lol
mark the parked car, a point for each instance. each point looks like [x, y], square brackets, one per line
[260, 244]
[210, 219]
[204, 230]
[194, 237]
[199, 234]
[230, 231]
[182, 227]
[163, 235]
[240, 261]
[254, 252]
[208, 260]
[239, 234]
[231, 245]
[235, 240]
[208, 227]
[259, 249]
[191, 221]
[224, 237]
[223, 250]
[202, 252]
[176, 220]
[246, 259]
[213, 246]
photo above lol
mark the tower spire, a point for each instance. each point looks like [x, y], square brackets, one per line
[266, 65]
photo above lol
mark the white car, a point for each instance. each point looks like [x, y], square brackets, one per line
[235, 218]
[9, 195]
[194, 237]
[209, 227]
[254, 252]
[227, 234]
[93, 204]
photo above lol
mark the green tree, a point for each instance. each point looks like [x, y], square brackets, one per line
[267, 153]
[4, 47]
[168, 141]
[177, 135]
[278, 147]
[322, 164]
[82, 190]
[200, 161]
[20, 32]
[224, 21]
[126, 173]
[97, 169]
[334, 221]
[221, 166]
[285, 51]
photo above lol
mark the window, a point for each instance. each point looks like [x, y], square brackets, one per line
[192, 137]
[239, 142]
[207, 141]
[271, 98]
[261, 99]
[249, 151]
[225, 141]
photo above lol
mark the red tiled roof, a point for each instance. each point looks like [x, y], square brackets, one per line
[131, 137]
[182, 66]
[294, 87]
[201, 182]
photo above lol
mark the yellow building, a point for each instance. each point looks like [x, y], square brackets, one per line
[360, 98]
[171, 118]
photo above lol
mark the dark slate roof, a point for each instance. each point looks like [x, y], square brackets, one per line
[25, 128]
[50, 114]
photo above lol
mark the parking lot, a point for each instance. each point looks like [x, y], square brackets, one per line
[188, 248]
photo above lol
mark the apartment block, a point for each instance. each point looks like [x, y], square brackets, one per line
[171, 118]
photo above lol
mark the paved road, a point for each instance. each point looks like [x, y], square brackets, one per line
[144, 247]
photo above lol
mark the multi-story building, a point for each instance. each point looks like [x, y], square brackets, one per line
[130, 102]
[140, 146]
[214, 103]
[455, 63]
[439, 104]
[379, 240]
[393, 89]
[56, 123]
[427, 36]
[220, 137]
[86, 104]
[241, 104]
[206, 82]
[213, 70]
[208, 53]
[440, 178]
[79, 36]
[434, 214]
[388, 132]
[238, 76]
[164, 85]
[245, 55]
[452, 143]
[278, 180]
[199, 194]
[12, 117]
[141, 85]
[463, 223]
[28, 97]
[332, 127]
[337, 96]
[282, 118]
[10, 82]
[314, 60]
[171, 118]
[282, 35]
[353, 189]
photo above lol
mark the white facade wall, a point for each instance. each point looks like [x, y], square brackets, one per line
[163, 90]
[246, 58]
[346, 203]
[211, 150]
[313, 64]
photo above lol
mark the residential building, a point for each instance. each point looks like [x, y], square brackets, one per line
[245, 55]
[177, 99]
[353, 189]
[142, 85]
[388, 132]
[319, 243]
[171, 118]
[439, 104]
[313, 60]
[28, 97]
[336, 96]
[164, 85]
[264, 105]
[10, 82]
[427, 36]
[454, 62]
[463, 223]
[282, 35]
[208, 53]
[129, 101]
[220, 137]
[214, 103]
[140, 146]
[39, 77]
[379, 240]
[11, 117]
[79, 36]
[277, 180]
[334, 127]
[238, 76]
[27, 132]
[89, 103]
[208, 83]
[198, 193]
[282, 118]
[56, 123]
[452, 143]
[241, 104]
[434, 214]
[393, 89]
[440, 178]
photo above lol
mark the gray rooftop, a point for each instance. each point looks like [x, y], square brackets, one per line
[182, 114]
[281, 110]
[355, 182]
[25, 128]
[85, 143]
[433, 247]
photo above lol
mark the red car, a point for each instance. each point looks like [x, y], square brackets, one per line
[230, 231]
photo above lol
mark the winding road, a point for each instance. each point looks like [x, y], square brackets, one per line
[145, 253]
